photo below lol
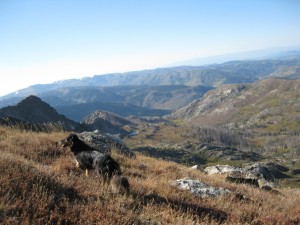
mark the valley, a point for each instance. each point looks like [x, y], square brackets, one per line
[244, 126]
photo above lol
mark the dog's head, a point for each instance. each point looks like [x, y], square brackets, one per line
[69, 141]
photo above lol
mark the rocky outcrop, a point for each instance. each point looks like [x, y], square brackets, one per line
[224, 169]
[104, 142]
[199, 188]
[261, 172]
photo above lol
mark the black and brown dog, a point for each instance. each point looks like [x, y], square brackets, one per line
[89, 158]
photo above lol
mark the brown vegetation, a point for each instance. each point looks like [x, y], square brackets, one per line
[40, 184]
[120, 184]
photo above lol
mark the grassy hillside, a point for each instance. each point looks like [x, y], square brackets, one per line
[40, 184]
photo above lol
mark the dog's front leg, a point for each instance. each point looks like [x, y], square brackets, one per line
[86, 172]
[77, 164]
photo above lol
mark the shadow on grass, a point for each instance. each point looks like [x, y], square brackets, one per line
[213, 215]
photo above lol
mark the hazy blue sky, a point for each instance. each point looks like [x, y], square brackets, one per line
[43, 41]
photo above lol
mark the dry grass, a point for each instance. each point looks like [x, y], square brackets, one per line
[40, 185]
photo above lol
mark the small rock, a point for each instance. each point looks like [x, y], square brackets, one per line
[223, 169]
[271, 190]
[194, 167]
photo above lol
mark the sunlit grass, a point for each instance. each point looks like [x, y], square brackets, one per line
[40, 184]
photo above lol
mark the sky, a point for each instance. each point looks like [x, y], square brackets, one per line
[50, 40]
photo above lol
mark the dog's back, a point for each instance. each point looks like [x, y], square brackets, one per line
[86, 159]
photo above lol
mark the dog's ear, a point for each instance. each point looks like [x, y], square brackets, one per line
[73, 137]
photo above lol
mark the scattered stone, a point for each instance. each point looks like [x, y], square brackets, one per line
[271, 190]
[197, 167]
[224, 169]
[199, 188]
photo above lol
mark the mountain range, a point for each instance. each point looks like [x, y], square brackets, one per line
[151, 92]
[249, 67]
[211, 76]
[159, 92]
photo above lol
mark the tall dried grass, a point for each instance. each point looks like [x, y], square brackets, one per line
[40, 184]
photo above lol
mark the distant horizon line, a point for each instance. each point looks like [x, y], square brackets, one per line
[189, 63]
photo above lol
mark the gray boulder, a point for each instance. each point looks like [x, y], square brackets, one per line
[199, 188]
[224, 169]
[255, 171]
[259, 171]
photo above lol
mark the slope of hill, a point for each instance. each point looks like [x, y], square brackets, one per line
[246, 104]
[268, 108]
[42, 185]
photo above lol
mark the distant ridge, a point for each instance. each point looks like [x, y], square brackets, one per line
[229, 71]
[153, 92]
[273, 53]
